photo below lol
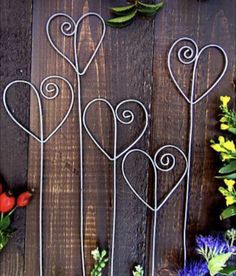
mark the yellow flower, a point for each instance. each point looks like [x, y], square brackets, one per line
[227, 149]
[225, 100]
[221, 139]
[224, 126]
[224, 120]
[230, 200]
[230, 184]
[229, 145]
[218, 148]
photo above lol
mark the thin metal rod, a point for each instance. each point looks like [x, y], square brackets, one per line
[114, 201]
[154, 230]
[81, 178]
[41, 211]
[191, 55]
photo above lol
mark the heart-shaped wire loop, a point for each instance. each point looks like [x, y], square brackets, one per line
[167, 162]
[48, 90]
[190, 55]
[70, 28]
[126, 119]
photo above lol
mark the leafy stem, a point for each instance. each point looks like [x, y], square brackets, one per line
[101, 260]
[126, 14]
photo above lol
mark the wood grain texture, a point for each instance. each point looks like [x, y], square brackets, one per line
[130, 64]
[15, 52]
[209, 23]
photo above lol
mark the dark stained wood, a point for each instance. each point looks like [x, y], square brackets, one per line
[15, 52]
[130, 64]
[209, 23]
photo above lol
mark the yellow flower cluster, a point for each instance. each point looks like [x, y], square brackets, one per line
[228, 119]
[229, 193]
[224, 107]
[226, 148]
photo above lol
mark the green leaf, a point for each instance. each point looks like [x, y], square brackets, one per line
[149, 9]
[228, 212]
[123, 9]
[152, 7]
[228, 168]
[229, 270]
[232, 130]
[121, 21]
[228, 176]
[103, 254]
[4, 238]
[217, 263]
[146, 12]
[118, 25]
[5, 223]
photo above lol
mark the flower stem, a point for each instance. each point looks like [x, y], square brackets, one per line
[12, 211]
[232, 241]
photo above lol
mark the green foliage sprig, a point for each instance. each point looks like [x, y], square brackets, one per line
[126, 14]
[5, 230]
[227, 150]
[101, 260]
[230, 236]
[138, 271]
[215, 256]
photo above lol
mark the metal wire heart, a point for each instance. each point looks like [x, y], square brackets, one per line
[188, 55]
[127, 114]
[49, 88]
[165, 161]
[70, 29]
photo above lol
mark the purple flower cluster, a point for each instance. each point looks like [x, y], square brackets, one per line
[210, 246]
[194, 269]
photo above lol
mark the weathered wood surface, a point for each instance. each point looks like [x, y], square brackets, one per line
[130, 64]
[15, 56]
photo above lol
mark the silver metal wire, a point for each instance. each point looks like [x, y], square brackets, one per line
[127, 119]
[168, 163]
[52, 89]
[70, 28]
[190, 55]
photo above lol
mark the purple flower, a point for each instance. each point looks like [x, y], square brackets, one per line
[210, 247]
[194, 269]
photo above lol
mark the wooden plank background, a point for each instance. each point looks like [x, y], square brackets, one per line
[130, 64]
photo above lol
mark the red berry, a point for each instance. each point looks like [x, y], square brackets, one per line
[24, 199]
[7, 202]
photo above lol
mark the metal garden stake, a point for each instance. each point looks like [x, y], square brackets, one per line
[191, 55]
